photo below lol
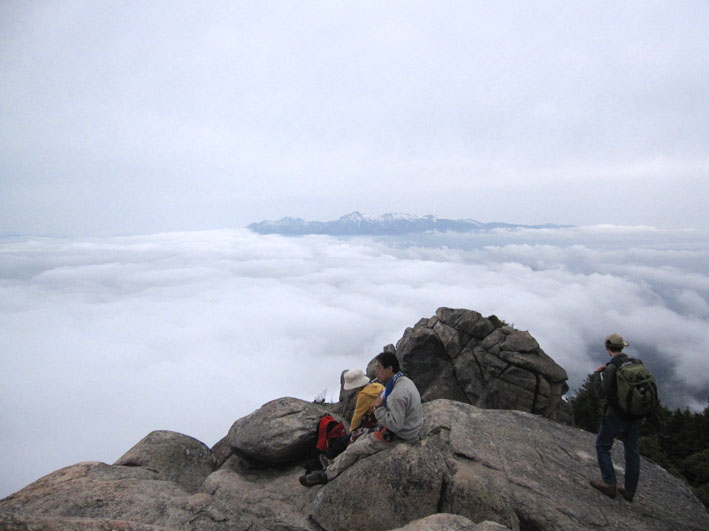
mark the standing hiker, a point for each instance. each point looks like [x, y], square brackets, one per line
[615, 423]
[398, 412]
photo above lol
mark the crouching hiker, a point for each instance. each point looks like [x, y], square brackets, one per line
[398, 412]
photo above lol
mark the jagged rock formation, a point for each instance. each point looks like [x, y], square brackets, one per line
[475, 469]
[463, 356]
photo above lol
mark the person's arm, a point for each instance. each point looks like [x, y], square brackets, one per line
[393, 415]
[597, 381]
[604, 380]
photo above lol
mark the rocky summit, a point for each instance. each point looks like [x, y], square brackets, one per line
[493, 455]
[461, 355]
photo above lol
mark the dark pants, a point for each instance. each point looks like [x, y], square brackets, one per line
[629, 431]
[337, 446]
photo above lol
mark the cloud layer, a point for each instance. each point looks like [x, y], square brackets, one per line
[105, 340]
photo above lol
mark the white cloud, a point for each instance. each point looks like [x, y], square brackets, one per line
[104, 340]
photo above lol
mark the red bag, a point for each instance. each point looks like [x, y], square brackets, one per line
[328, 430]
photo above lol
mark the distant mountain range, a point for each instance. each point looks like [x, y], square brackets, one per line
[393, 223]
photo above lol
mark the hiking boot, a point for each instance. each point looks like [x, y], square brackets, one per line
[314, 478]
[324, 461]
[627, 495]
[605, 488]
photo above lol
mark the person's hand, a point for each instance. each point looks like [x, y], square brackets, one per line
[600, 369]
[379, 401]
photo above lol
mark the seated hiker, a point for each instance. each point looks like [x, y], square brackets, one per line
[398, 413]
[367, 394]
[332, 438]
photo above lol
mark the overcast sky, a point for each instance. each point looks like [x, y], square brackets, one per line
[124, 117]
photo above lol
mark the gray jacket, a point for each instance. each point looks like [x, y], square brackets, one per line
[402, 414]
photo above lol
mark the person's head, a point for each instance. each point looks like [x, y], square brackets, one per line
[387, 366]
[354, 379]
[615, 344]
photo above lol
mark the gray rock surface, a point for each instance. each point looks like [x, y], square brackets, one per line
[281, 431]
[527, 472]
[461, 355]
[514, 468]
[450, 522]
[96, 492]
[384, 491]
[271, 499]
[511, 468]
[221, 451]
[11, 522]
[174, 456]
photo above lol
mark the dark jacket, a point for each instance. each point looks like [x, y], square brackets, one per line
[604, 385]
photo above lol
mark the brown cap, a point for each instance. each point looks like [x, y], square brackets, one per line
[617, 341]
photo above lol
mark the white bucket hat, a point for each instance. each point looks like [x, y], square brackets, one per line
[354, 378]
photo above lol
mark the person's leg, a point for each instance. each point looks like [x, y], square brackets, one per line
[366, 445]
[604, 443]
[632, 458]
[337, 446]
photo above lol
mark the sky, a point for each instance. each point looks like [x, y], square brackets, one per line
[140, 117]
[137, 139]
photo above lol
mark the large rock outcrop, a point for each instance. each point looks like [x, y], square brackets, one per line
[392, 489]
[281, 431]
[463, 356]
[92, 493]
[474, 469]
[510, 467]
[174, 457]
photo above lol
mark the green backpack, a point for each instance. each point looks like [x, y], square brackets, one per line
[636, 390]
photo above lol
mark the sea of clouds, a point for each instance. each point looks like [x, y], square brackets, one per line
[103, 340]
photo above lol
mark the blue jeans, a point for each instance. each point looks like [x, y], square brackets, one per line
[629, 430]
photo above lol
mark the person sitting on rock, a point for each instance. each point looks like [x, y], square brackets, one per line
[398, 413]
[367, 394]
[363, 419]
